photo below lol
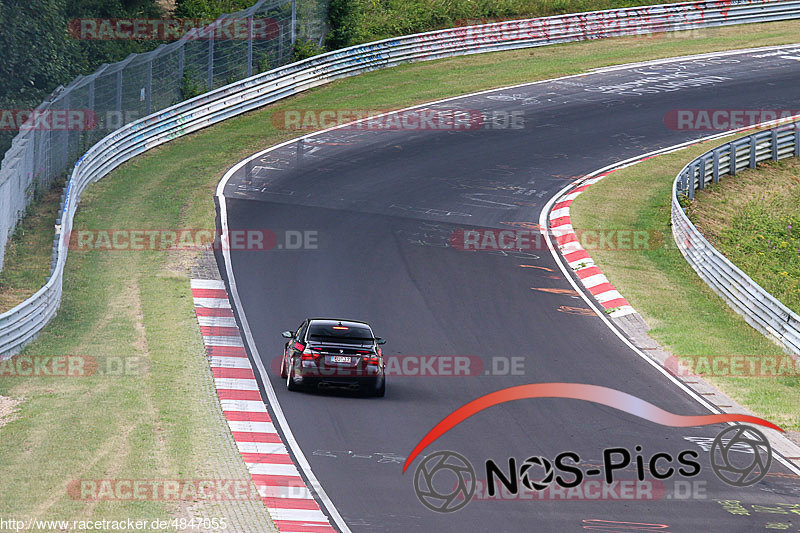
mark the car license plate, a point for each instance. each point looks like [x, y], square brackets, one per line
[340, 359]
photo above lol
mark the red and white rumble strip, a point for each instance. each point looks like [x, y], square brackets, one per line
[579, 259]
[288, 499]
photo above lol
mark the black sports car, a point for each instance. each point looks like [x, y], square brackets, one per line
[326, 352]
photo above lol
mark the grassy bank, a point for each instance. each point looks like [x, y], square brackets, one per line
[754, 219]
[685, 315]
[163, 423]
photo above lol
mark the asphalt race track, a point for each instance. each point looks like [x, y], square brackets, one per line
[382, 206]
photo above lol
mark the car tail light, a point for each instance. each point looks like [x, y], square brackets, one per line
[311, 354]
[370, 359]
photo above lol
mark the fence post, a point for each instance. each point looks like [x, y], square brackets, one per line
[149, 88]
[732, 170]
[211, 60]
[181, 62]
[753, 143]
[96, 123]
[294, 21]
[250, 46]
[119, 96]
[690, 172]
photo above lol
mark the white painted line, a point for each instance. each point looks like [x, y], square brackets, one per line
[604, 297]
[261, 447]
[622, 311]
[212, 303]
[218, 321]
[249, 426]
[273, 469]
[591, 281]
[236, 383]
[243, 406]
[207, 284]
[219, 361]
[301, 515]
[215, 340]
[270, 491]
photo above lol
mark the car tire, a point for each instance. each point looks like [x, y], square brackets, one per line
[290, 383]
[380, 392]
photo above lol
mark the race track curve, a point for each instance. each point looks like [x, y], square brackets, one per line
[383, 205]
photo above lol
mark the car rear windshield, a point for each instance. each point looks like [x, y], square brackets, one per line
[351, 335]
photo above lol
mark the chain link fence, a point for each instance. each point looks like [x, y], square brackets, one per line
[75, 117]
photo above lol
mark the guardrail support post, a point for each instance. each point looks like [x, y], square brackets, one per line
[797, 140]
[690, 184]
[715, 175]
[701, 183]
[753, 143]
[774, 145]
[732, 170]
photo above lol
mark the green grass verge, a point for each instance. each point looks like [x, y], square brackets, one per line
[685, 315]
[162, 423]
[754, 220]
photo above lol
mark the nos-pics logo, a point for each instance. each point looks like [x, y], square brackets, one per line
[445, 481]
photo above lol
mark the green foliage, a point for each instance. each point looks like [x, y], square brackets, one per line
[209, 9]
[345, 17]
[192, 85]
[358, 21]
[305, 48]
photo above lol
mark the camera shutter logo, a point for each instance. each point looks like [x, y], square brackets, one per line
[541, 462]
[730, 467]
[450, 466]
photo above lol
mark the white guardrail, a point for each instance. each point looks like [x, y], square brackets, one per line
[21, 324]
[759, 308]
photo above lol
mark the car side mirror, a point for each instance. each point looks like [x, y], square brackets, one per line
[287, 334]
[379, 340]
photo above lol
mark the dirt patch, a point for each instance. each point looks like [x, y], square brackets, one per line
[7, 411]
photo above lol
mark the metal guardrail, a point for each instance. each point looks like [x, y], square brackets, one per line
[759, 308]
[21, 324]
